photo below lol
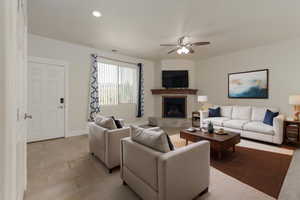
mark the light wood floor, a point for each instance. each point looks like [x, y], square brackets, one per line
[62, 169]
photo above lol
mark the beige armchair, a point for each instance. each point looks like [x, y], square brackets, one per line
[105, 144]
[181, 174]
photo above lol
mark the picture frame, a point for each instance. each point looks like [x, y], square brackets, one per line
[249, 84]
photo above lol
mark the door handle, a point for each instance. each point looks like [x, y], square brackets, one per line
[27, 116]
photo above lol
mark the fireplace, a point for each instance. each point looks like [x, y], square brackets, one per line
[174, 107]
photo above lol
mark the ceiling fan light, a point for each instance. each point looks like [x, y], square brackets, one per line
[185, 50]
[96, 13]
[179, 51]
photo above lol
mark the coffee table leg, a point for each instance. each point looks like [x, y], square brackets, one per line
[186, 142]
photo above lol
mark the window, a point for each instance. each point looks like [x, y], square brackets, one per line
[117, 83]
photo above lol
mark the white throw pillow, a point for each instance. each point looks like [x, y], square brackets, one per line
[241, 112]
[155, 139]
[108, 123]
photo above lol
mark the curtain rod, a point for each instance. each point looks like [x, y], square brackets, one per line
[132, 63]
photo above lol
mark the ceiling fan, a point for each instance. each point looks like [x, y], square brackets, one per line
[183, 46]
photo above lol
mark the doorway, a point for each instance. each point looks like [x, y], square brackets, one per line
[46, 99]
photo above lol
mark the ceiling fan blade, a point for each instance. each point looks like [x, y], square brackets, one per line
[200, 43]
[168, 45]
[173, 50]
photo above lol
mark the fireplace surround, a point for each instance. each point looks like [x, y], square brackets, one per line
[174, 107]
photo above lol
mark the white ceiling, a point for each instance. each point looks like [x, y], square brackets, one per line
[137, 27]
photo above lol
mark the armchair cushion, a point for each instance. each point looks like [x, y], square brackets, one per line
[107, 123]
[171, 146]
[155, 139]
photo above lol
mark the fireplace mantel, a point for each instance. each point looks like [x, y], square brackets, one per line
[174, 91]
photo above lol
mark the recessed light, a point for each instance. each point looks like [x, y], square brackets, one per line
[97, 13]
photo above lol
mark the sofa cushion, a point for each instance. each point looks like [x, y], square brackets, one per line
[258, 113]
[259, 127]
[218, 121]
[226, 111]
[241, 112]
[269, 116]
[214, 112]
[235, 123]
[155, 139]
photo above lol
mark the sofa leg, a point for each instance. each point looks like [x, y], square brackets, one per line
[110, 171]
[124, 183]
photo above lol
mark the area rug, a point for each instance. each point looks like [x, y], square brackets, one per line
[262, 170]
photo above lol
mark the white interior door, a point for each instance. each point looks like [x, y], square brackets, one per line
[46, 96]
[21, 99]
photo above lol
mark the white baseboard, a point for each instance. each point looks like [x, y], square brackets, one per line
[78, 132]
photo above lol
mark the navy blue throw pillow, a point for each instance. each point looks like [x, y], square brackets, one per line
[117, 122]
[269, 116]
[214, 112]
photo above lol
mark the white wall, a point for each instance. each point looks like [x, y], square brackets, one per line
[282, 59]
[79, 61]
[2, 112]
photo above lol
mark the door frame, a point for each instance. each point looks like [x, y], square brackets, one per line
[65, 65]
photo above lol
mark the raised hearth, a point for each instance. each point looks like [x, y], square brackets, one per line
[174, 91]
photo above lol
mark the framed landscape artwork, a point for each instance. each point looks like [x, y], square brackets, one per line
[249, 85]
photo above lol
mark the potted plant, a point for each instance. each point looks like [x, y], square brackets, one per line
[210, 127]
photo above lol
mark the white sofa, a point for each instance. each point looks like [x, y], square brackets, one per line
[181, 174]
[248, 121]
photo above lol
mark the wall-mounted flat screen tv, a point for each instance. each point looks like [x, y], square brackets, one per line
[175, 79]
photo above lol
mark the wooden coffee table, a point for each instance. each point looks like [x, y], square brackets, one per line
[218, 143]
